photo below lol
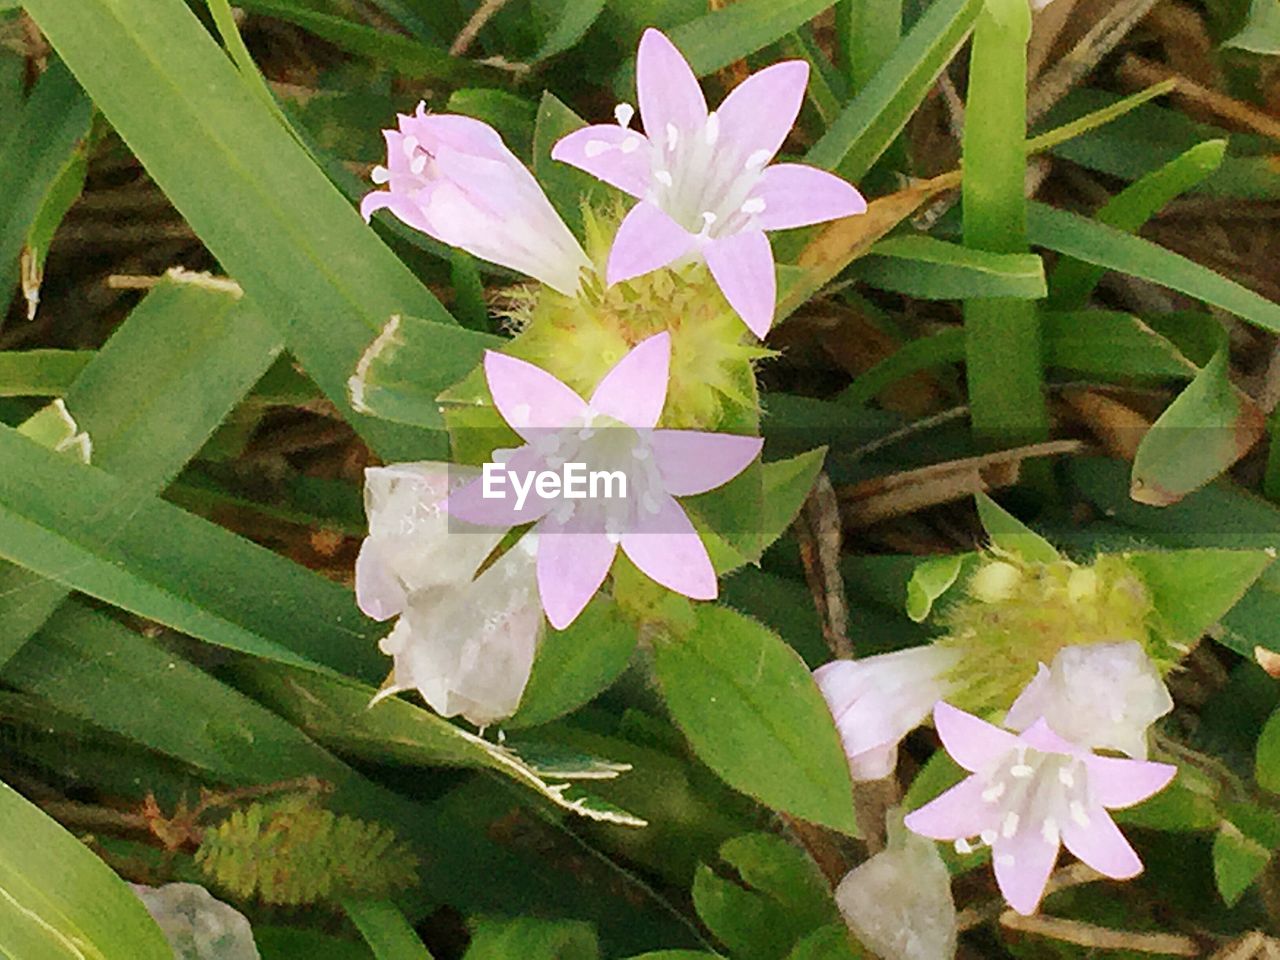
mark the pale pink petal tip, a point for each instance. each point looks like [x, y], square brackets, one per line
[634, 390]
[692, 462]
[667, 89]
[742, 265]
[972, 743]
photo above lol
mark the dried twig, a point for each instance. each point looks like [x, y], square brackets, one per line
[1100, 938]
[820, 548]
[467, 34]
[1137, 70]
[1101, 39]
[886, 497]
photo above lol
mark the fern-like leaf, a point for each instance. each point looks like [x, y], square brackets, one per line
[292, 851]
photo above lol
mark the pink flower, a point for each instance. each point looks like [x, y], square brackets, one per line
[701, 178]
[453, 178]
[612, 435]
[876, 701]
[1028, 795]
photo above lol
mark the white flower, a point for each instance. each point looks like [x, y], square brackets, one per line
[197, 926]
[1099, 695]
[879, 700]
[466, 643]
[899, 902]
[468, 648]
[413, 544]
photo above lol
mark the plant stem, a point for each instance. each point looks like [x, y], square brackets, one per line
[1005, 376]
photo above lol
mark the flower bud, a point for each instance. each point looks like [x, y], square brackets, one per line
[454, 179]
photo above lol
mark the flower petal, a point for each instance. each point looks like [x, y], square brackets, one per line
[692, 461]
[600, 151]
[959, 812]
[572, 564]
[1023, 863]
[531, 400]
[470, 505]
[757, 115]
[974, 744]
[1029, 707]
[379, 593]
[646, 240]
[400, 205]
[742, 264]
[1115, 782]
[667, 89]
[665, 546]
[457, 132]
[796, 195]
[635, 388]
[1102, 846]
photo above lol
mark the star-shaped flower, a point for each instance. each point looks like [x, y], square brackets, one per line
[612, 433]
[1028, 795]
[705, 186]
[454, 179]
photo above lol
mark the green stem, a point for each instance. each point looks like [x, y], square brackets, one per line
[1006, 380]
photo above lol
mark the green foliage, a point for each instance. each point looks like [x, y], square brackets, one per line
[751, 711]
[292, 852]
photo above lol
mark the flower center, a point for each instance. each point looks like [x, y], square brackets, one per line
[1031, 790]
[703, 183]
[621, 456]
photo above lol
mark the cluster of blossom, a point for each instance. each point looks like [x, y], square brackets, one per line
[707, 193]
[1037, 782]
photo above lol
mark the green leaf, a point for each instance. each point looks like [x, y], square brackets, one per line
[397, 377]
[59, 900]
[1194, 589]
[831, 942]
[1073, 280]
[924, 353]
[1010, 535]
[252, 193]
[715, 40]
[932, 269]
[40, 373]
[786, 487]
[1267, 767]
[769, 864]
[530, 938]
[750, 709]
[413, 58]
[566, 187]
[385, 929]
[1117, 346]
[571, 24]
[51, 132]
[1003, 368]
[199, 351]
[930, 580]
[1104, 246]
[1207, 428]
[336, 711]
[576, 664]
[91, 532]
[1238, 861]
[874, 118]
[1261, 31]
